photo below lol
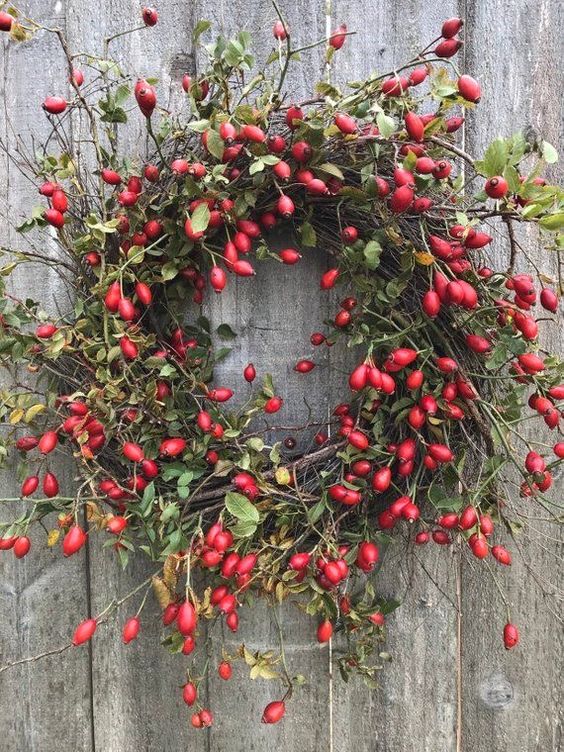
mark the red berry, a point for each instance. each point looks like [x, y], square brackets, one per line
[84, 631]
[29, 486]
[273, 405]
[54, 218]
[324, 631]
[150, 16]
[172, 447]
[469, 88]
[448, 47]
[116, 524]
[21, 546]
[55, 105]
[186, 619]
[502, 555]
[510, 636]
[133, 452]
[549, 300]
[285, 206]
[329, 279]
[279, 31]
[401, 199]
[274, 712]
[6, 21]
[250, 373]
[131, 629]
[451, 27]
[337, 38]
[304, 366]
[253, 133]
[290, 256]
[431, 304]
[414, 126]
[146, 97]
[496, 187]
[345, 123]
[50, 485]
[151, 173]
[74, 540]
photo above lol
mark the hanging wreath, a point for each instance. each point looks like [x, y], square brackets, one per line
[428, 447]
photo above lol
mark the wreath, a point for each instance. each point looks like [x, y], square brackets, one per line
[428, 446]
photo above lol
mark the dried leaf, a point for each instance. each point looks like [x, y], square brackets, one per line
[162, 593]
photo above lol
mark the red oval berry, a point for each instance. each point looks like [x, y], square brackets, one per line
[324, 631]
[273, 712]
[131, 629]
[84, 631]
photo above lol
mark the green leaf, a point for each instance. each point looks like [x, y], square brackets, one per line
[226, 332]
[199, 125]
[147, 500]
[331, 169]
[255, 443]
[494, 160]
[241, 508]
[256, 166]
[215, 144]
[386, 124]
[201, 27]
[244, 529]
[170, 512]
[169, 271]
[308, 235]
[315, 512]
[200, 218]
[552, 222]
[372, 251]
[549, 153]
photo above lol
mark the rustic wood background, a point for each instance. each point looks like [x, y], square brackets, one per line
[450, 687]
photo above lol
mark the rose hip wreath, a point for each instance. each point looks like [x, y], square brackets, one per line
[429, 446]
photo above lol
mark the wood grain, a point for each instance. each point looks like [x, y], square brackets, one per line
[43, 596]
[116, 699]
[513, 700]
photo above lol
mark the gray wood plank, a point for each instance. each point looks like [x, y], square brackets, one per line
[43, 596]
[274, 314]
[421, 634]
[512, 700]
[138, 684]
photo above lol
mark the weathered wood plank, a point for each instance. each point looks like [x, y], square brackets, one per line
[274, 315]
[137, 701]
[421, 634]
[43, 596]
[512, 700]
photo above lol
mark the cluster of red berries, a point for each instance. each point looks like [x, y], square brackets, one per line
[200, 214]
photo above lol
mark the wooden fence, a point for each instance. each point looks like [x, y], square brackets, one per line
[450, 686]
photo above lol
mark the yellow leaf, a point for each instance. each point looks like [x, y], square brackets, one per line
[170, 575]
[33, 411]
[162, 593]
[282, 476]
[16, 415]
[53, 537]
[250, 659]
[19, 34]
[267, 673]
[424, 258]
[281, 592]
[434, 421]
[255, 672]
[94, 514]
